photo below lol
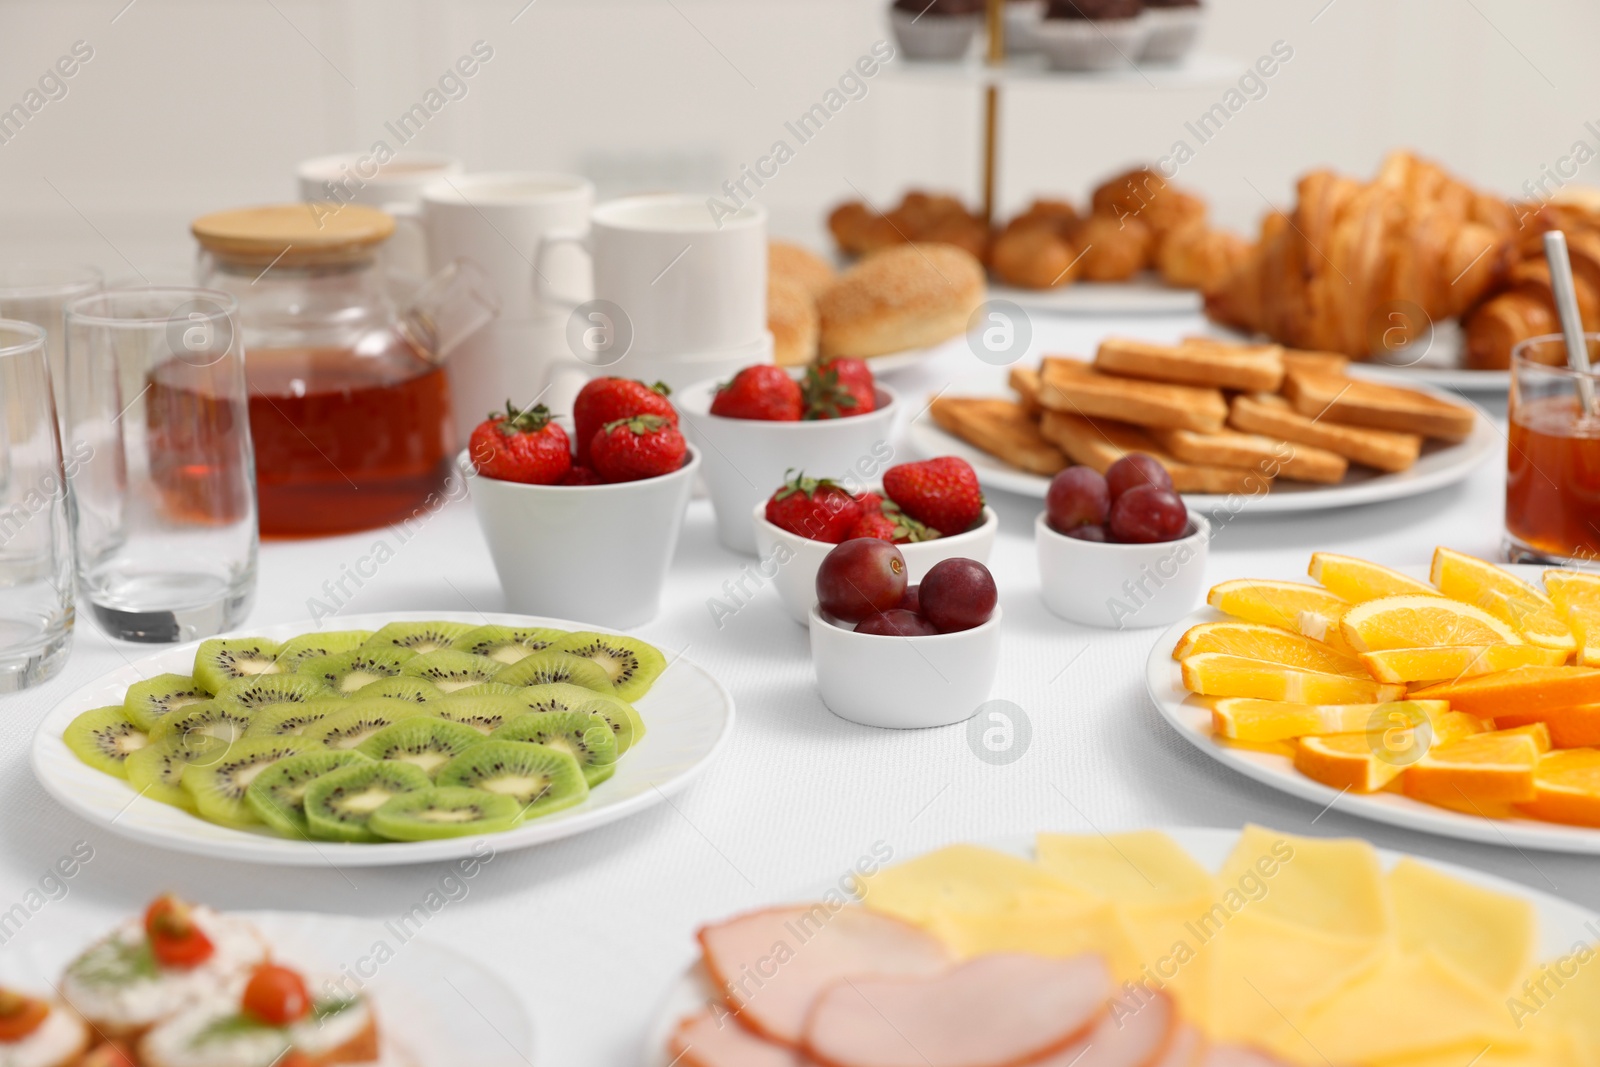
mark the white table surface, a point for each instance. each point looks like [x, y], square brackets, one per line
[591, 930]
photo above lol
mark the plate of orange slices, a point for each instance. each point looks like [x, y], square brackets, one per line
[1463, 701]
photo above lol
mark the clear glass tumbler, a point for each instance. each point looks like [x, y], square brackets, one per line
[1553, 456]
[164, 493]
[40, 295]
[36, 611]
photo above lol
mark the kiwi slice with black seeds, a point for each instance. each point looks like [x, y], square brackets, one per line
[218, 786]
[339, 804]
[223, 660]
[485, 714]
[156, 770]
[631, 665]
[225, 722]
[550, 668]
[278, 795]
[507, 644]
[488, 689]
[423, 741]
[147, 702]
[104, 739]
[540, 779]
[253, 694]
[419, 636]
[451, 671]
[619, 714]
[350, 672]
[360, 720]
[586, 738]
[442, 812]
[312, 646]
[293, 720]
[409, 690]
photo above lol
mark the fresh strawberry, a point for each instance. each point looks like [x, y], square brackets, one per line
[817, 509]
[943, 493]
[839, 388]
[521, 446]
[761, 392]
[869, 500]
[580, 476]
[886, 521]
[645, 446]
[873, 524]
[605, 400]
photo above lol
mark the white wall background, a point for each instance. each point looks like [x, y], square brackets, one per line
[194, 105]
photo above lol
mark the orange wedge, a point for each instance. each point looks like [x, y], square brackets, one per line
[1358, 581]
[1525, 690]
[1452, 662]
[1216, 674]
[1577, 727]
[1345, 761]
[1422, 622]
[1270, 643]
[1577, 598]
[1294, 606]
[1540, 732]
[1506, 597]
[1494, 767]
[1567, 788]
[1244, 719]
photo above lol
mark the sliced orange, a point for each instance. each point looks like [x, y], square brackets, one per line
[1577, 598]
[1540, 732]
[1495, 767]
[1217, 674]
[1422, 622]
[1294, 606]
[1451, 662]
[1567, 788]
[1577, 727]
[1503, 595]
[1270, 643]
[1245, 719]
[1345, 761]
[1358, 581]
[1525, 690]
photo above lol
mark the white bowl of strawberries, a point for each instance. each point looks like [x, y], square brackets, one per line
[763, 422]
[583, 533]
[933, 510]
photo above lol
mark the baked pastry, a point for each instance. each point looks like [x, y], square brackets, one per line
[1094, 10]
[1034, 257]
[901, 298]
[920, 216]
[792, 318]
[40, 1032]
[1144, 194]
[858, 230]
[1195, 256]
[800, 266]
[1113, 250]
[1525, 306]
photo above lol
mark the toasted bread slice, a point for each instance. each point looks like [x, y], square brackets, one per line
[1025, 380]
[1292, 358]
[1099, 443]
[1074, 387]
[1001, 428]
[1230, 448]
[1257, 368]
[1354, 402]
[1273, 416]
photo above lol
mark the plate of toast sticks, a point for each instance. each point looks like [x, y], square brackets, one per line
[1275, 429]
[1436, 359]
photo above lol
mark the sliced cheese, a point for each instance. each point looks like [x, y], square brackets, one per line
[1487, 936]
[1333, 887]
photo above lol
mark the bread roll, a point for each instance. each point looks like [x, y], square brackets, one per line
[792, 318]
[901, 298]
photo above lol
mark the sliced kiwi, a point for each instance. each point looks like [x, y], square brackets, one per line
[104, 739]
[218, 786]
[586, 738]
[310, 646]
[360, 720]
[488, 689]
[632, 665]
[278, 795]
[618, 714]
[223, 660]
[485, 714]
[225, 722]
[293, 720]
[540, 779]
[419, 636]
[452, 671]
[506, 644]
[156, 770]
[350, 672]
[409, 690]
[422, 741]
[253, 694]
[549, 668]
[448, 811]
[147, 702]
[339, 803]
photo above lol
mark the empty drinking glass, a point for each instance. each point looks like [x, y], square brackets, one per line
[35, 535]
[40, 294]
[165, 496]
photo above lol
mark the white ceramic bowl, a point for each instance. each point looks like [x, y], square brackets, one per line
[934, 37]
[1123, 587]
[904, 683]
[597, 553]
[1085, 45]
[681, 370]
[1173, 32]
[795, 559]
[745, 459]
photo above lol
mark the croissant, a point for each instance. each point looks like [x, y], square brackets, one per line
[1528, 308]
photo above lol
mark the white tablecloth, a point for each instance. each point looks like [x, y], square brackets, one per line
[592, 930]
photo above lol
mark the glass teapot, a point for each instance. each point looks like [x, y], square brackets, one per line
[349, 404]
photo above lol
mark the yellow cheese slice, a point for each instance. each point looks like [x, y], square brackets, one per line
[1142, 868]
[1531, 1050]
[1053, 925]
[1488, 936]
[1334, 887]
[1563, 994]
[961, 878]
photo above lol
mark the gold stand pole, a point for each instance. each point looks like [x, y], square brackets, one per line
[991, 110]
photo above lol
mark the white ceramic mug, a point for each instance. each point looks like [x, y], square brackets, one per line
[688, 283]
[395, 186]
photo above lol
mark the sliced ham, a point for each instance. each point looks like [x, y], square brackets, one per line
[1185, 1048]
[715, 1039]
[992, 1011]
[1130, 1037]
[770, 966]
[1235, 1056]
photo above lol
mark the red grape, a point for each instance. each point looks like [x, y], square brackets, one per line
[1136, 469]
[912, 601]
[1090, 533]
[1145, 514]
[861, 577]
[1078, 496]
[896, 622]
[958, 594]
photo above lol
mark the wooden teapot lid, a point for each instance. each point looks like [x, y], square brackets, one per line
[294, 235]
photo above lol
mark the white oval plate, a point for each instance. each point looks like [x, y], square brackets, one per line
[436, 1007]
[1192, 721]
[1145, 294]
[688, 715]
[1561, 923]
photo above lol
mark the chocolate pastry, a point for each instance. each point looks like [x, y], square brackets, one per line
[941, 7]
[1094, 10]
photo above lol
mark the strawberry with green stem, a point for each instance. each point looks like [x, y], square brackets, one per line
[521, 446]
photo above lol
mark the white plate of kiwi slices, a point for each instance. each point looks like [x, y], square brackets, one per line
[382, 739]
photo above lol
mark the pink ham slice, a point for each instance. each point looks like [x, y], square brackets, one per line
[714, 1039]
[771, 965]
[992, 1011]
[1184, 1049]
[1131, 1037]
